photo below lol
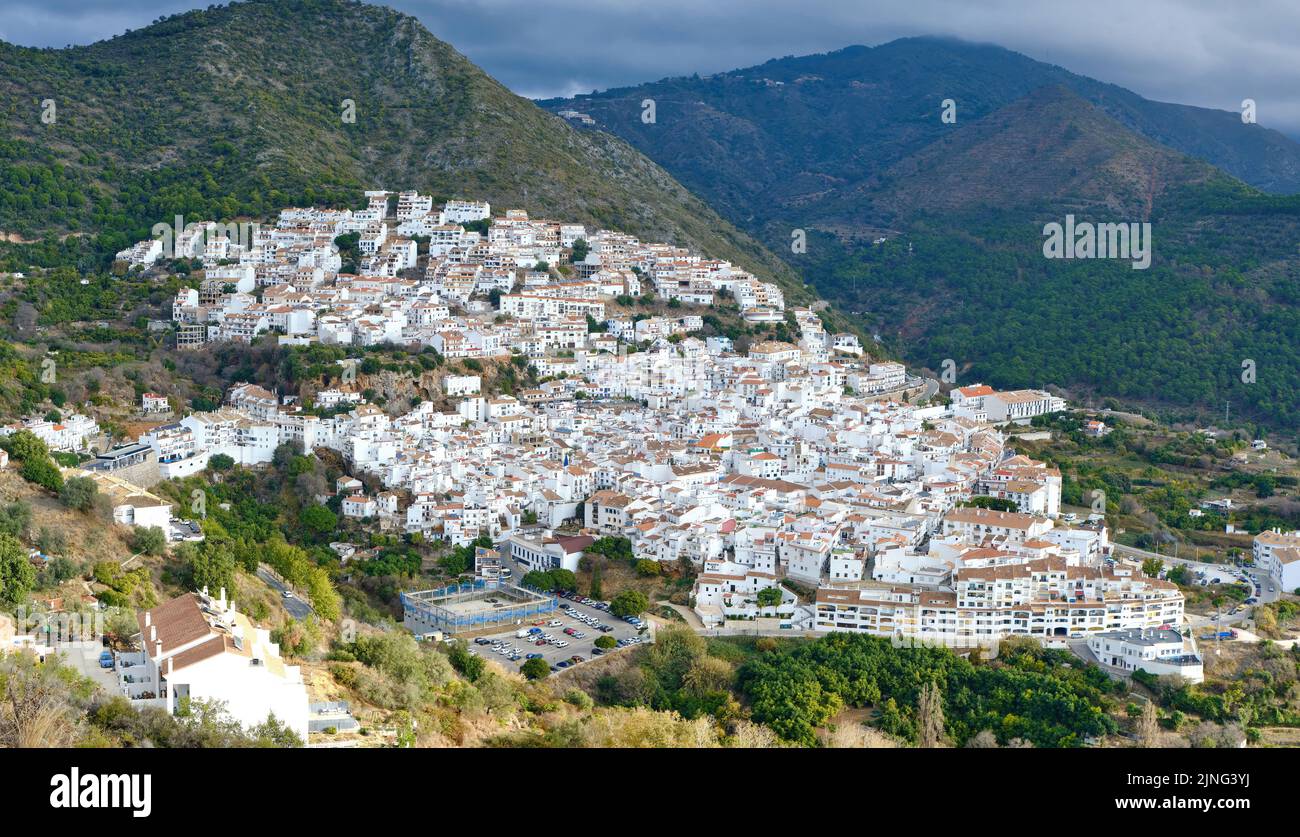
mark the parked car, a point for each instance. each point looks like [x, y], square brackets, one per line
[534, 656]
[106, 659]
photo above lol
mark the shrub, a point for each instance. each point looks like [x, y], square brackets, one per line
[535, 669]
[79, 493]
[149, 540]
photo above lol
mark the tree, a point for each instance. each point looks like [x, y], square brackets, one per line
[1152, 566]
[469, 665]
[563, 579]
[79, 493]
[606, 641]
[645, 568]
[535, 669]
[17, 575]
[457, 562]
[26, 445]
[551, 580]
[994, 503]
[929, 717]
[149, 540]
[212, 566]
[42, 472]
[52, 541]
[319, 520]
[221, 462]
[628, 603]
[769, 597]
[16, 518]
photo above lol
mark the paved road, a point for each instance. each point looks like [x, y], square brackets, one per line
[931, 387]
[296, 606]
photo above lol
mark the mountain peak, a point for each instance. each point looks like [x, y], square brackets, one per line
[246, 108]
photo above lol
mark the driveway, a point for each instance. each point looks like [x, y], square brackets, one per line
[84, 657]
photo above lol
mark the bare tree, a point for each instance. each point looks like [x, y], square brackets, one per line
[1148, 726]
[929, 717]
[859, 737]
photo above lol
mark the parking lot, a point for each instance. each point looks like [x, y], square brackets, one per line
[552, 653]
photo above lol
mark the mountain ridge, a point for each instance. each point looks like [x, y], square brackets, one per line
[980, 78]
[932, 230]
[237, 111]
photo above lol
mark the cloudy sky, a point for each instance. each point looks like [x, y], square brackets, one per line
[1201, 52]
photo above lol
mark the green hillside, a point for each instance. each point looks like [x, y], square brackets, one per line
[238, 111]
[850, 147]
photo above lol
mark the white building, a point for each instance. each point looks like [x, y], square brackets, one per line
[199, 647]
[1279, 553]
[1156, 651]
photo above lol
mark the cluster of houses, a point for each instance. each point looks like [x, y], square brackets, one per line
[452, 277]
[789, 476]
[754, 468]
[72, 433]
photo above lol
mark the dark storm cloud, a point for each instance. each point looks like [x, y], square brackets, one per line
[1199, 52]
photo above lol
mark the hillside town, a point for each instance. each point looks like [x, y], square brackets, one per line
[288, 279]
[803, 486]
[787, 462]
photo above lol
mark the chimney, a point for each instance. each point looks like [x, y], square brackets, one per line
[223, 596]
[153, 633]
[148, 619]
[157, 649]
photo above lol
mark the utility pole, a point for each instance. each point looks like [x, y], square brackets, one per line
[1218, 630]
